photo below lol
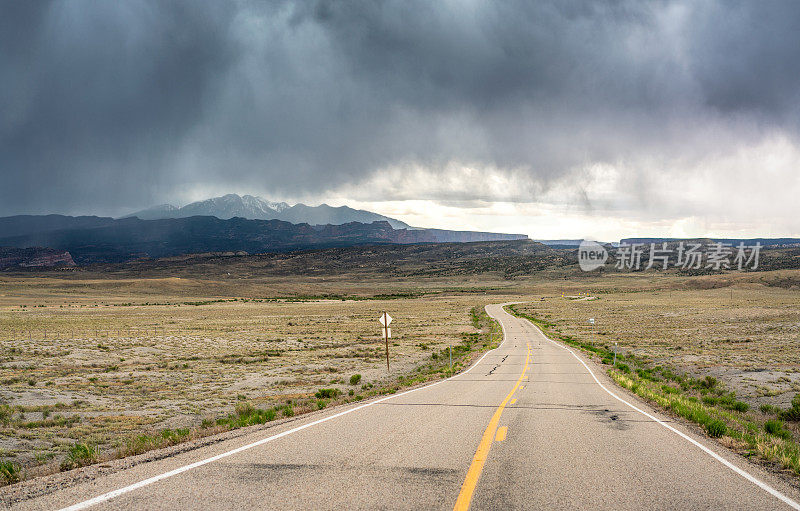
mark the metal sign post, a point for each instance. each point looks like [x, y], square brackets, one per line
[386, 320]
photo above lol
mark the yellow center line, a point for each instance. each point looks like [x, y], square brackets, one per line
[513, 401]
[501, 434]
[475, 469]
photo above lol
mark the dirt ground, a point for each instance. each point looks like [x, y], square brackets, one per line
[741, 328]
[99, 361]
[101, 358]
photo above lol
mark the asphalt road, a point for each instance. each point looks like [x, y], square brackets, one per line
[527, 427]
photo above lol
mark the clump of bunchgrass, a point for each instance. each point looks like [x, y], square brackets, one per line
[768, 409]
[776, 428]
[80, 455]
[327, 393]
[716, 428]
[9, 472]
[793, 413]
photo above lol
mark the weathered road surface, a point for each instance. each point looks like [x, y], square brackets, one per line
[528, 427]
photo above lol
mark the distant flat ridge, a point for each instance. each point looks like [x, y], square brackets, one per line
[766, 242]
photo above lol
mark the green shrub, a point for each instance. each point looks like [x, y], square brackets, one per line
[355, 379]
[768, 409]
[248, 415]
[141, 443]
[793, 413]
[716, 428]
[9, 472]
[171, 437]
[709, 382]
[727, 401]
[740, 406]
[327, 393]
[710, 400]
[6, 413]
[647, 374]
[244, 409]
[668, 374]
[80, 455]
[669, 389]
[775, 427]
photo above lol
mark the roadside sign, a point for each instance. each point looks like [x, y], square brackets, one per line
[591, 321]
[386, 320]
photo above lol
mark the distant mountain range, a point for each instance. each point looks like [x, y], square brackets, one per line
[256, 208]
[108, 240]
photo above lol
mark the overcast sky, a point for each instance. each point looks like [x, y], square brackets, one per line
[555, 119]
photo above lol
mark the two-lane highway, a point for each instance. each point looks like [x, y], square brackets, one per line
[527, 427]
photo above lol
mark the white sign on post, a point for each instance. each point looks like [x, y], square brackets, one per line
[386, 320]
[591, 321]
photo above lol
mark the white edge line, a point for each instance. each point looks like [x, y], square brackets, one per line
[764, 486]
[146, 482]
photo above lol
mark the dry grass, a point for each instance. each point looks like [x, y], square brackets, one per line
[111, 359]
[741, 328]
[104, 361]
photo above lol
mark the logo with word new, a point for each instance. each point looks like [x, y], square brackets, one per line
[591, 255]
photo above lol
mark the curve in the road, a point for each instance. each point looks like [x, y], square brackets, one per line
[565, 440]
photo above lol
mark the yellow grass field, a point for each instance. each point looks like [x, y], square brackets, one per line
[736, 327]
[84, 362]
[100, 359]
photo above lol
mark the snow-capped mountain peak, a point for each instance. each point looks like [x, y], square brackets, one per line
[259, 204]
[256, 208]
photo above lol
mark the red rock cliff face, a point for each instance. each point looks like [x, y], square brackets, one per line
[33, 258]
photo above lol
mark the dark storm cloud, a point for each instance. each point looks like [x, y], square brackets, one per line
[107, 105]
[96, 95]
[746, 57]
